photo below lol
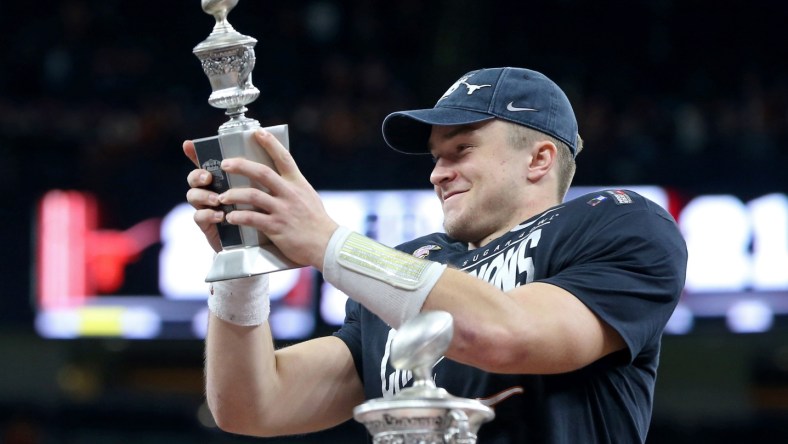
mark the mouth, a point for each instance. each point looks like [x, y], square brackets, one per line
[450, 194]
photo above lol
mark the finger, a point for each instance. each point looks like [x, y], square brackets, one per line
[248, 218]
[201, 198]
[190, 151]
[257, 172]
[250, 196]
[206, 220]
[283, 160]
[199, 178]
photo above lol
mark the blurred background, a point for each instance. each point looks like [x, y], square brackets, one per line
[96, 97]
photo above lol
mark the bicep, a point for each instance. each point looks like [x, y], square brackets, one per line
[565, 334]
[319, 386]
[537, 328]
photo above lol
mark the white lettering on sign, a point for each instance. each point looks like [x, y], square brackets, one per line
[769, 215]
[735, 247]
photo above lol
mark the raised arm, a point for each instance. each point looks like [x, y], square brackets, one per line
[253, 389]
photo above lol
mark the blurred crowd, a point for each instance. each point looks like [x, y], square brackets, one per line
[100, 94]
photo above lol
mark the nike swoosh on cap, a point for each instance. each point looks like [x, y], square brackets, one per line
[510, 106]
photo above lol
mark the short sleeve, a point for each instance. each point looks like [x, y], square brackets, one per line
[350, 333]
[630, 272]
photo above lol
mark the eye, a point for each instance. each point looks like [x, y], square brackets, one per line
[452, 153]
[462, 148]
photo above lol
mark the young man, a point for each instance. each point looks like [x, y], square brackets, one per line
[558, 307]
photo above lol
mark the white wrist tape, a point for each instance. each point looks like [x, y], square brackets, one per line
[241, 301]
[390, 283]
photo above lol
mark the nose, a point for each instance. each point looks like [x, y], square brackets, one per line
[441, 172]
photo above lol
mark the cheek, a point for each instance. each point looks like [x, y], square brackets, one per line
[504, 185]
[514, 170]
[507, 173]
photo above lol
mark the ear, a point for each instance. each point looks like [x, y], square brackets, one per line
[543, 157]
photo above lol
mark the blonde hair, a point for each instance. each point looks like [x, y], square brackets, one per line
[523, 136]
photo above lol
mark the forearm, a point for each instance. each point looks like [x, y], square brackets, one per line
[253, 389]
[240, 374]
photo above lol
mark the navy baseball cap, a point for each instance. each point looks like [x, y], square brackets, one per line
[516, 95]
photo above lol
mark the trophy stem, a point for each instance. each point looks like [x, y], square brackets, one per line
[423, 377]
[222, 26]
[236, 112]
[238, 121]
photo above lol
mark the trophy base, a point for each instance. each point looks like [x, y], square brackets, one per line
[247, 261]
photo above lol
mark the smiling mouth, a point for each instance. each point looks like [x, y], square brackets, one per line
[447, 196]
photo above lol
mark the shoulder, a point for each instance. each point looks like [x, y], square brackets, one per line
[611, 198]
[610, 204]
[623, 220]
[615, 216]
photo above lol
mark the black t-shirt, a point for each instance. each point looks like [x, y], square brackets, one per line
[621, 255]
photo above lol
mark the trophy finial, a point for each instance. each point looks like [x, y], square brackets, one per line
[218, 8]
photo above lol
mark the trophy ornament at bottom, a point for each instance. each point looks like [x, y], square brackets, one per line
[423, 413]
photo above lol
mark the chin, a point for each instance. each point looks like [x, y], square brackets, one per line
[457, 230]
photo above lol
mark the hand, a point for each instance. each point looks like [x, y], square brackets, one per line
[291, 214]
[205, 201]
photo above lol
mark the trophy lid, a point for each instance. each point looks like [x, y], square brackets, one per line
[223, 34]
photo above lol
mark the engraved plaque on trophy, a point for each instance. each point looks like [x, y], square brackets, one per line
[227, 58]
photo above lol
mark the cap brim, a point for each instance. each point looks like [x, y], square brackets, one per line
[409, 131]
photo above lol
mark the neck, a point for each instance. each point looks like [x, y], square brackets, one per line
[532, 209]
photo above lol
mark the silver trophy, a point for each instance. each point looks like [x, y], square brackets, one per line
[423, 413]
[227, 58]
